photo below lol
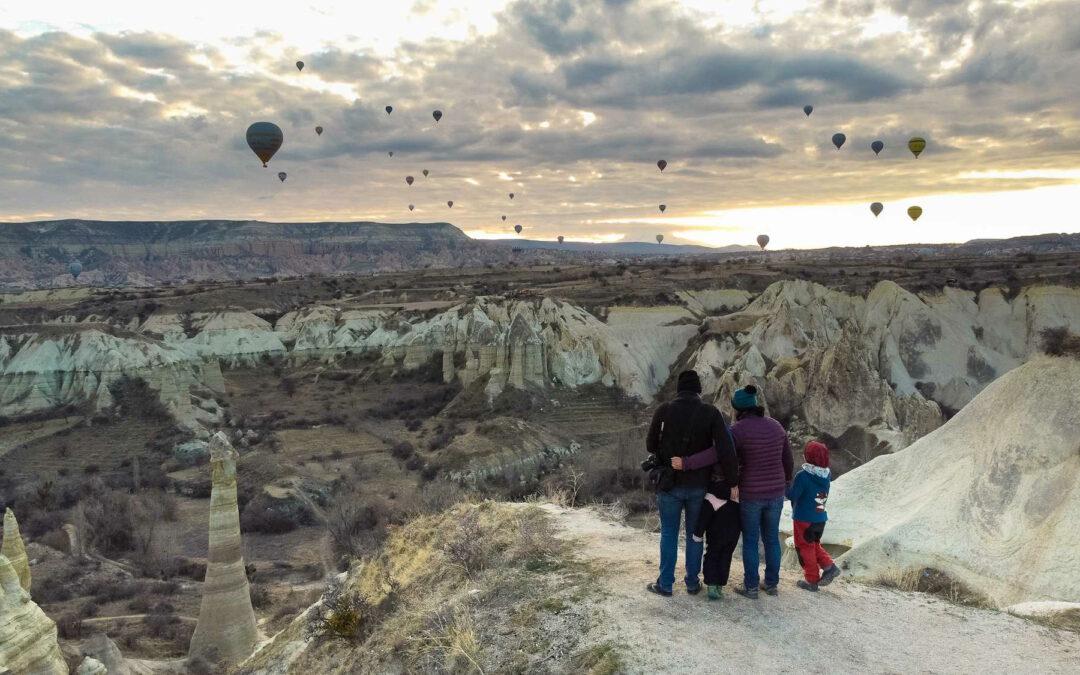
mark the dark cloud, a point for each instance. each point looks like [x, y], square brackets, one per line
[110, 124]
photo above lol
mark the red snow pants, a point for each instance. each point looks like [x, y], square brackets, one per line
[812, 556]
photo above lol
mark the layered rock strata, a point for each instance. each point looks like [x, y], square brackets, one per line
[27, 637]
[15, 550]
[226, 630]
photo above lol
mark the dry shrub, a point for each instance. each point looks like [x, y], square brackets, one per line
[344, 614]
[467, 547]
[69, 627]
[449, 644]
[534, 542]
[355, 525]
[1060, 342]
[936, 582]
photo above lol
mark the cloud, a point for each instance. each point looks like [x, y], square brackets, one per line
[145, 123]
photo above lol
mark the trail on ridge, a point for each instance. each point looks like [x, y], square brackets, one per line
[845, 627]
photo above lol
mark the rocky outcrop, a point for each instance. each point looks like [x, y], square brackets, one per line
[27, 637]
[53, 366]
[873, 374]
[538, 342]
[99, 649]
[226, 630]
[15, 550]
[91, 666]
[991, 498]
[867, 370]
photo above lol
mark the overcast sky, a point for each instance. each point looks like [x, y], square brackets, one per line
[122, 109]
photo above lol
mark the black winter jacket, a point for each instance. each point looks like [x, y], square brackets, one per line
[668, 435]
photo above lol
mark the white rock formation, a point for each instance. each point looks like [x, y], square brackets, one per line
[27, 637]
[58, 366]
[992, 498]
[897, 350]
[864, 370]
[91, 666]
[14, 549]
[226, 627]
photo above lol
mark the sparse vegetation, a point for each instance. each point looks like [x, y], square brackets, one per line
[1060, 341]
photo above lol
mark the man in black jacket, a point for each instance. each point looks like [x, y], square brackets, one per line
[682, 427]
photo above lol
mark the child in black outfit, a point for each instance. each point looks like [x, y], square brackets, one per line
[719, 524]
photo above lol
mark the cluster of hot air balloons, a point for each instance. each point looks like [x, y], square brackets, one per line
[266, 138]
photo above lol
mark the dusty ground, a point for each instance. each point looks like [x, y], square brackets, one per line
[846, 628]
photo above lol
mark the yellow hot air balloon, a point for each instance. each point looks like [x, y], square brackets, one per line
[916, 145]
[914, 212]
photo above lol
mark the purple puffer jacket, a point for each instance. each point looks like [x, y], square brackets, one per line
[765, 462]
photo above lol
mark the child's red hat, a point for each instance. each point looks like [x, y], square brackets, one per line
[817, 453]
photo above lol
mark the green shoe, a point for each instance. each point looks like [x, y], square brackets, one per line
[714, 592]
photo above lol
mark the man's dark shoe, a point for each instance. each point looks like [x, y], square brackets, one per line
[771, 590]
[829, 575]
[807, 586]
[751, 593]
[693, 590]
[654, 588]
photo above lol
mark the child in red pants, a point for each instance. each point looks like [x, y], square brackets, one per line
[808, 493]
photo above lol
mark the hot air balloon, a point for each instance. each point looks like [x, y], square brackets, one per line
[318, 130]
[916, 145]
[763, 241]
[838, 140]
[389, 109]
[425, 173]
[450, 204]
[517, 228]
[75, 268]
[877, 147]
[299, 65]
[876, 208]
[511, 195]
[409, 180]
[411, 207]
[437, 114]
[662, 164]
[282, 176]
[560, 239]
[504, 219]
[663, 207]
[264, 139]
[914, 212]
[808, 109]
[659, 239]
[391, 153]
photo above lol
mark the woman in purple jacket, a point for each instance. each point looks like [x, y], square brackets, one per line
[765, 470]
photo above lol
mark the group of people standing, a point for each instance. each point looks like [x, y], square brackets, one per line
[731, 482]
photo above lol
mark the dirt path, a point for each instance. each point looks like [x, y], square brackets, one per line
[131, 617]
[846, 628]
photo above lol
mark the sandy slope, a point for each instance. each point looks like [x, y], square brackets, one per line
[848, 627]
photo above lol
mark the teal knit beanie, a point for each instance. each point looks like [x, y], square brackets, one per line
[745, 398]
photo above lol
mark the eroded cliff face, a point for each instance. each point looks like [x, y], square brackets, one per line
[874, 372]
[991, 498]
[27, 637]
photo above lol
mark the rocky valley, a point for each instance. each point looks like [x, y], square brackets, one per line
[192, 464]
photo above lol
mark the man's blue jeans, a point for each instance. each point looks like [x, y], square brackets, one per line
[761, 520]
[671, 505]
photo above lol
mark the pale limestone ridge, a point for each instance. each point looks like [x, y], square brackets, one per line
[15, 550]
[27, 637]
[226, 628]
[992, 498]
[869, 370]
